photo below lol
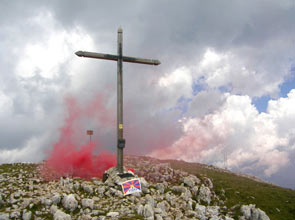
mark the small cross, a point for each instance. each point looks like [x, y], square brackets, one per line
[120, 59]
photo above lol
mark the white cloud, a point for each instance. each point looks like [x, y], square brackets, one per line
[56, 47]
[178, 82]
[31, 152]
[205, 102]
[6, 104]
[232, 71]
[251, 141]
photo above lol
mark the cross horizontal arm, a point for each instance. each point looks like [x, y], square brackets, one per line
[115, 58]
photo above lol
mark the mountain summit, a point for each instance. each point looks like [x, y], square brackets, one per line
[169, 190]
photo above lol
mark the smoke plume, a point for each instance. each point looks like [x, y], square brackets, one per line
[69, 156]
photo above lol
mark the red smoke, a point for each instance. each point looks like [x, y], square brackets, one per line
[68, 157]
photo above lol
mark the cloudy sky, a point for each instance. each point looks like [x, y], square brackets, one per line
[224, 93]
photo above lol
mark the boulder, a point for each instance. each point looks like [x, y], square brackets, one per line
[186, 195]
[201, 211]
[101, 190]
[56, 198]
[113, 214]
[189, 181]
[212, 210]
[69, 202]
[164, 206]
[15, 215]
[87, 203]
[261, 215]
[251, 213]
[205, 194]
[53, 209]
[208, 182]
[178, 189]
[190, 213]
[27, 215]
[214, 218]
[87, 188]
[150, 200]
[59, 215]
[246, 210]
[148, 211]
[160, 187]
[4, 216]
[194, 190]
[140, 210]
[158, 217]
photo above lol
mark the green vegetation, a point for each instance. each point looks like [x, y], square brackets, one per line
[277, 202]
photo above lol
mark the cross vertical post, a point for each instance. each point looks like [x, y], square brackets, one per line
[120, 139]
[120, 59]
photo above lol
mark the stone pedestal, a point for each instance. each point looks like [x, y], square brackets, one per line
[113, 176]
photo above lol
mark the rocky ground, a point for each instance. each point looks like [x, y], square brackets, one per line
[166, 194]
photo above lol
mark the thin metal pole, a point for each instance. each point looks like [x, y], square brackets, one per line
[120, 144]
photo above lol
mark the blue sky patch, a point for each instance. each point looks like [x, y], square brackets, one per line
[289, 84]
[261, 103]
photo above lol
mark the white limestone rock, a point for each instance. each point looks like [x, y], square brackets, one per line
[158, 217]
[214, 218]
[178, 189]
[116, 193]
[140, 210]
[201, 211]
[246, 210]
[59, 215]
[194, 190]
[113, 214]
[87, 203]
[86, 217]
[164, 206]
[251, 213]
[150, 200]
[15, 215]
[101, 190]
[205, 194]
[56, 198]
[212, 210]
[69, 202]
[143, 182]
[87, 188]
[4, 216]
[53, 209]
[189, 181]
[76, 186]
[186, 196]
[261, 215]
[27, 215]
[208, 182]
[160, 187]
[148, 211]
[190, 213]
[47, 202]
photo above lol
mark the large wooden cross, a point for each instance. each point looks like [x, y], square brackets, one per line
[120, 59]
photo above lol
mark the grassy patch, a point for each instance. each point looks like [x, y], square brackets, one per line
[277, 202]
